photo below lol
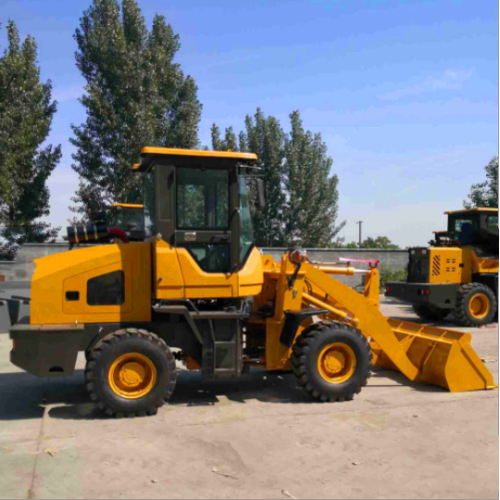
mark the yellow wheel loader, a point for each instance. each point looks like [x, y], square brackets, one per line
[458, 273]
[197, 290]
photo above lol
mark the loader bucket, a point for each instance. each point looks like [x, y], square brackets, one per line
[443, 357]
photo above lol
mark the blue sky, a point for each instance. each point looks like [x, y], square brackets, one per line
[405, 93]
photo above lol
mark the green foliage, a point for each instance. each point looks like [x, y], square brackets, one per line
[229, 143]
[485, 194]
[312, 195]
[381, 242]
[353, 244]
[301, 197]
[26, 113]
[387, 274]
[135, 96]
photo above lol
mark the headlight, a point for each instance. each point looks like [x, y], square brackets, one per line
[298, 255]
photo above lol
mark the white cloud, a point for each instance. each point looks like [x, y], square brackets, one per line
[450, 79]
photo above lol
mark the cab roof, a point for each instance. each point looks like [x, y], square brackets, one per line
[472, 211]
[191, 157]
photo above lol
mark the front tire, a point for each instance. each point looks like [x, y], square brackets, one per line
[476, 304]
[331, 361]
[130, 373]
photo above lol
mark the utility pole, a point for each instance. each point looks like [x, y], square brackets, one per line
[360, 222]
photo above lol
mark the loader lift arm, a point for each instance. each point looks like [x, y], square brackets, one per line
[422, 353]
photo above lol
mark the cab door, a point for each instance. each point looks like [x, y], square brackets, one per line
[205, 236]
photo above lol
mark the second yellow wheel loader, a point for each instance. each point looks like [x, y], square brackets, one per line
[458, 273]
[199, 291]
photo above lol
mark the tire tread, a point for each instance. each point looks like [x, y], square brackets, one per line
[114, 338]
[299, 360]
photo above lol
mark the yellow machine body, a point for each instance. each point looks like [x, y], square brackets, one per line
[457, 265]
[67, 274]
[176, 276]
[449, 265]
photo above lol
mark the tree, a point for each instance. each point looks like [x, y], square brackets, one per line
[353, 244]
[485, 194]
[378, 242]
[301, 197]
[135, 96]
[229, 142]
[313, 195]
[26, 112]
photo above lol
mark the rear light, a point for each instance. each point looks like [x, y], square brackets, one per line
[388, 289]
[424, 292]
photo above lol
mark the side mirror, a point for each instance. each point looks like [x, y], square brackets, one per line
[261, 196]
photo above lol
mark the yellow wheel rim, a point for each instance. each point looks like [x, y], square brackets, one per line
[479, 305]
[336, 363]
[132, 376]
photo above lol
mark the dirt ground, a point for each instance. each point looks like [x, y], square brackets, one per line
[255, 438]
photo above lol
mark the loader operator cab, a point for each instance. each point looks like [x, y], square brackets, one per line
[199, 201]
[477, 227]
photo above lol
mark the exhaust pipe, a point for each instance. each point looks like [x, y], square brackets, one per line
[92, 233]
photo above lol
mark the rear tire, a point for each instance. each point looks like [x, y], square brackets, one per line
[130, 373]
[332, 361]
[476, 304]
[430, 313]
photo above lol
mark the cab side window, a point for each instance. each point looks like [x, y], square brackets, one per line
[492, 221]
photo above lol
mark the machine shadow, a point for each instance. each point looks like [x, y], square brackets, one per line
[24, 396]
[413, 318]
[401, 381]
[191, 391]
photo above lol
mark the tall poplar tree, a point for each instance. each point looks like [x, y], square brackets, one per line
[312, 193]
[136, 96]
[26, 112]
